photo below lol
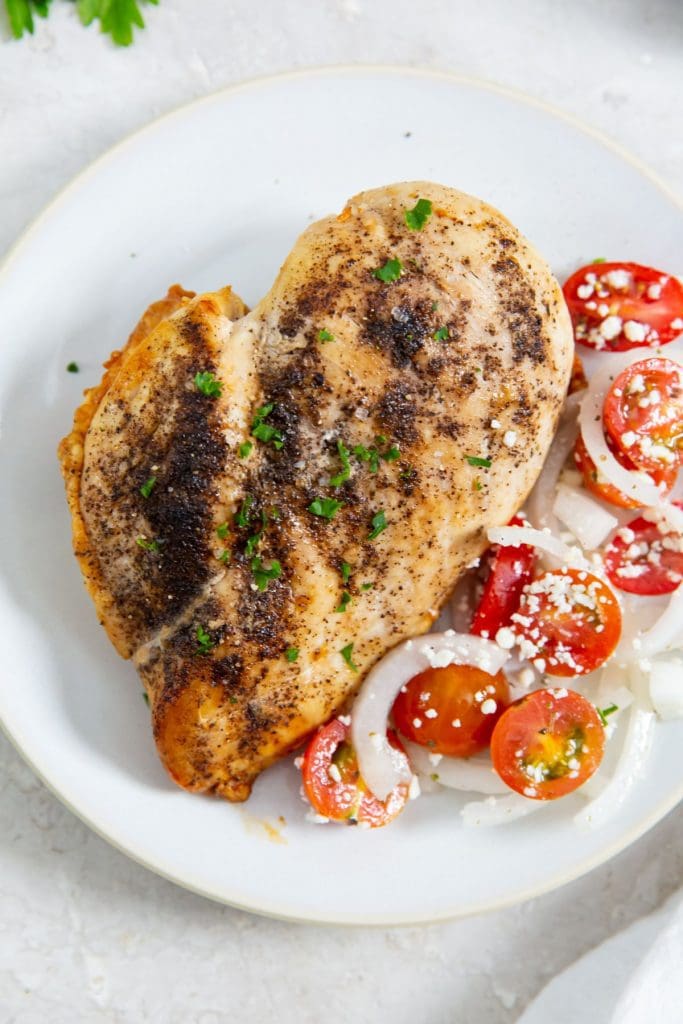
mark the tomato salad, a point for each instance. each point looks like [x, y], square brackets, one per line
[575, 629]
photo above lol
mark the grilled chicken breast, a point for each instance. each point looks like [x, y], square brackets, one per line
[256, 544]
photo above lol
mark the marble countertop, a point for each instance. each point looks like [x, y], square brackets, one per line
[85, 934]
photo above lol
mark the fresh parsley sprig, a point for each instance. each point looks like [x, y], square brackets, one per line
[117, 18]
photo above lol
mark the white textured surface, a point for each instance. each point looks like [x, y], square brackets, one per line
[85, 934]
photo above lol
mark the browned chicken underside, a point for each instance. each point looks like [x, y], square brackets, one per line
[413, 413]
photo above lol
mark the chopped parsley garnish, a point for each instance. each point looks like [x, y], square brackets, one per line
[147, 545]
[408, 474]
[393, 454]
[366, 586]
[475, 460]
[292, 653]
[477, 484]
[117, 17]
[600, 259]
[419, 215]
[370, 455]
[252, 544]
[72, 367]
[603, 713]
[224, 556]
[204, 641]
[347, 655]
[379, 524]
[263, 431]
[148, 487]
[441, 334]
[145, 697]
[391, 271]
[263, 575]
[325, 508]
[345, 572]
[324, 335]
[208, 384]
[340, 478]
[245, 449]
[223, 530]
[244, 515]
[435, 306]
[344, 602]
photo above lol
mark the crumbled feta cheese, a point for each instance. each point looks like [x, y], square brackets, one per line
[431, 713]
[509, 438]
[654, 292]
[495, 424]
[584, 291]
[417, 723]
[610, 327]
[414, 788]
[617, 279]
[489, 707]
[635, 331]
[505, 638]
[334, 773]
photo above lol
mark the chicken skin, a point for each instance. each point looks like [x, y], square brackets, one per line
[264, 503]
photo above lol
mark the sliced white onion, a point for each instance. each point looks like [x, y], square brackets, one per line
[514, 536]
[637, 742]
[666, 687]
[589, 521]
[635, 484]
[471, 775]
[538, 505]
[499, 810]
[666, 633]
[381, 766]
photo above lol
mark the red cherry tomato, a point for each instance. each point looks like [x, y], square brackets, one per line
[643, 558]
[619, 306]
[643, 413]
[570, 620]
[511, 568]
[451, 710]
[664, 477]
[333, 784]
[548, 744]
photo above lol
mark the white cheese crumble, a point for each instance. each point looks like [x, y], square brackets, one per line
[610, 327]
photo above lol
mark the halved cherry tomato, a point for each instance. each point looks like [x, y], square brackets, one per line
[451, 710]
[548, 744]
[570, 620]
[643, 413]
[619, 306]
[510, 569]
[664, 478]
[333, 784]
[578, 380]
[643, 558]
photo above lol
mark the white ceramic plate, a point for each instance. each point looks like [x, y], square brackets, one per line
[217, 193]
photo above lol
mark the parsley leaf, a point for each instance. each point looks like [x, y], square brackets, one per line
[600, 259]
[474, 460]
[604, 712]
[148, 487]
[224, 556]
[345, 572]
[245, 449]
[325, 508]
[252, 543]
[419, 215]
[324, 335]
[117, 17]
[366, 586]
[263, 431]
[340, 478]
[347, 655]
[379, 524]
[244, 515]
[393, 454]
[391, 271]
[441, 334]
[72, 367]
[147, 545]
[208, 384]
[263, 576]
[344, 602]
[370, 455]
[223, 530]
[292, 653]
[145, 697]
[21, 14]
[204, 641]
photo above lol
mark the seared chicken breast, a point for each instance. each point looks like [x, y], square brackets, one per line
[264, 503]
